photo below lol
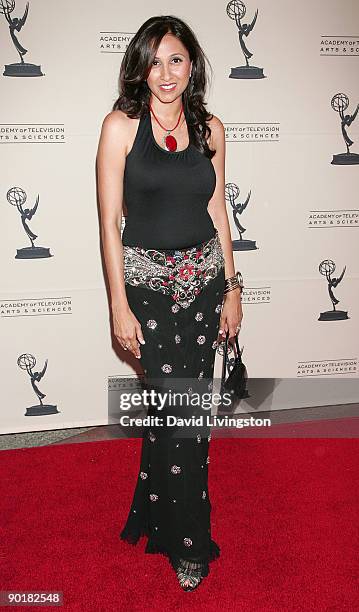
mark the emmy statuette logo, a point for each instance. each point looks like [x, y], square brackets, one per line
[236, 10]
[340, 103]
[17, 197]
[19, 69]
[27, 362]
[326, 268]
[231, 193]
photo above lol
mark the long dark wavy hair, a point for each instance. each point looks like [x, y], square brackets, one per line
[134, 93]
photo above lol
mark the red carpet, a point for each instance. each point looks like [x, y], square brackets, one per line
[285, 514]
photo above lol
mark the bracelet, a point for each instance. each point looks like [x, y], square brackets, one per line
[233, 282]
[231, 289]
[236, 279]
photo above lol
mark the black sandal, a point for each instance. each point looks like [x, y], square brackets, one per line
[189, 574]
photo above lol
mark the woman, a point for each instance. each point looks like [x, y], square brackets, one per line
[172, 277]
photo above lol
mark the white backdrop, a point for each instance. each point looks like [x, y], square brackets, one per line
[282, 134]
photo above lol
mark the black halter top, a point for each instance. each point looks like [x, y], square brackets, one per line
[166, 193]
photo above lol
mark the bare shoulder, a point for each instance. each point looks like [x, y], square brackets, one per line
[215, 123]
[116, 120]
[217, 132]
[117, 129]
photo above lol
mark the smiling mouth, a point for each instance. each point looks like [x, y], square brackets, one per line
[168, 87]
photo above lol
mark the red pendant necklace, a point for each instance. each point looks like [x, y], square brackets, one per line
[169, 141]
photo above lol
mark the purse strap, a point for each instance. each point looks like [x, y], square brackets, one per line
[225, 354]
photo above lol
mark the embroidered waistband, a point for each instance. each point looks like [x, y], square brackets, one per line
[180, 273]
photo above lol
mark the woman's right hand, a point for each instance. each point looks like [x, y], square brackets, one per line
[127, 330]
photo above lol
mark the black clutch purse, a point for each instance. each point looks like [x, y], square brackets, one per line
[236, 382]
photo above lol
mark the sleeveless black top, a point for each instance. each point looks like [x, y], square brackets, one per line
[166, 193]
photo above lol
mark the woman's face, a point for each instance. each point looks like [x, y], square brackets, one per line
[171, 67]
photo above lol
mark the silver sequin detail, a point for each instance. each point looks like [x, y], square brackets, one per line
[214, 344]
[201, 339]
[174, 500]
[145, 302]
[207, 460]
[204, 495]
[187, 541]
[175, 308]
[209, 437]
[143, 475]
[160, 346]
[151, 436]
[210, 386]
[199, 316]
[152, 324]
[167, 368]
[218, 308]
[175, 469]
[199, 439]
[200, 375]
[177, 338]
[153, 497]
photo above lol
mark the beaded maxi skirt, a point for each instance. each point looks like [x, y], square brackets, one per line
[177, 297]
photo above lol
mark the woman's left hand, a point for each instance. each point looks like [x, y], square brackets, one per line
[231, 315]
